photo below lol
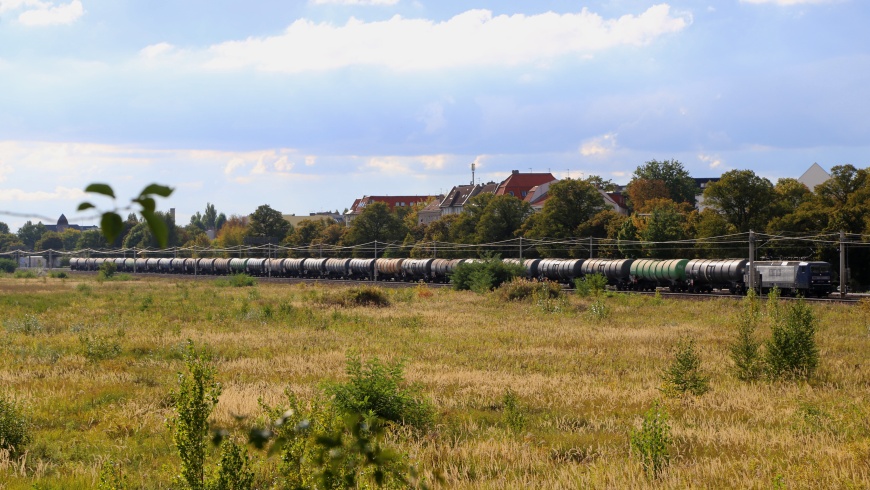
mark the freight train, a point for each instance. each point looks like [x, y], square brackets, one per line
[678, 275]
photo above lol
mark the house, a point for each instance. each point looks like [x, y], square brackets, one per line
[537, 196]
[431, 212]
[392, 203]
[519, 184]
[456, 199]
[814, 176]
[63, 225]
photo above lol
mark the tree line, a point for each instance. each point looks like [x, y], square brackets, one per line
[663, 221]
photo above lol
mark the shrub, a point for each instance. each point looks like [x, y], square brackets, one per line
[652, 442]
[599, 310]
[520, 288]
[745, 351]
[485, 275]
[684, 374]
[25, 274]
[357, 296]
[237, 281]
[590, 285]
[193, 403]
[792, 351]
[233, 470]
[58, 275]
[378, 389]
[107, 270]
[111, 477]
[97, 348]
[28, 325]
[514, 413]
[7, 265]
[14, 427]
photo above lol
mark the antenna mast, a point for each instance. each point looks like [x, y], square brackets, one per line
[473, 166]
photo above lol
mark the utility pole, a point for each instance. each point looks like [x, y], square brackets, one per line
[134, 260]
[751, 259]
[375, 263]
[842, 264]
[521, 249]
[591, 256]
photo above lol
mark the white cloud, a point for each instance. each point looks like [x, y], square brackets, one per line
[47, 13]
[711, 160]
[789, 2]
[59, 193]
[310, 160]
[355, 2]
[599, 146]
[156, 50]
[472, 38]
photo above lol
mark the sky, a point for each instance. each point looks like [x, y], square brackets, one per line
[307, 105]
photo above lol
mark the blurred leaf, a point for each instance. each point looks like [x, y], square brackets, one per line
[157, 226]
[112, 225]
[259, 437]
[157, 189]
[103, 189]
[85, 205]
[147, 203]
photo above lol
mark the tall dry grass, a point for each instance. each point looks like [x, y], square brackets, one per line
[584, 383]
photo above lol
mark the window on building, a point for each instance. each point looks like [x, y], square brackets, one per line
[511, 192]
[525, 193]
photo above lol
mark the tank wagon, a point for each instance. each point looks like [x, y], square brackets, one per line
[696, 275]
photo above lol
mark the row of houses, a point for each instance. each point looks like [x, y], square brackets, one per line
[531, 187]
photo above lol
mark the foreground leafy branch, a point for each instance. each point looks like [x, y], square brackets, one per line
[111, 222]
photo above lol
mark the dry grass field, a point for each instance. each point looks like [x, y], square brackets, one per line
[92, 365]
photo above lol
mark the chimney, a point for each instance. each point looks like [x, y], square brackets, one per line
[515, 171]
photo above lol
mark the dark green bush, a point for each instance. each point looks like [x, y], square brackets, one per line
[375, 388]
[107, 270]
[241, 280]
[684, 374]
[520, 288]
[7, 265]
[590, 285]
[14, 427]
[652, 442]
[357, 296]
[485, 275]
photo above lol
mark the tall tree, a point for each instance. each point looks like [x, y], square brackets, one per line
[666, 222]
[640, 191]
[501, 219]
[268, 224]
[681, 187]
[304, 234]
[375, 223]
[49, 240]
[29, 233]
[572, 203]
[140, 235]
[744, 198]
[4, 228]
[91, 239]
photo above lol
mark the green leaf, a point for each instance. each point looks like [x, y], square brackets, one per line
[85, 205]
[156, 189]
[148, 204]
[111, 224]
[103, 189]
[158, 227]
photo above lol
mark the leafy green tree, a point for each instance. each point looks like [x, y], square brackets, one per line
[29, 233]
[626, 239]
[464, 229]
[666, 222]
[4, 228]
[680, 186]
[375, 223]
[572, 203]
[70, 238]
[196, 222]
[307, 232]
[141, 234]
[9, 241]
[49, 240]
[91, 239]
[743, 198]
[712, 224]
[268, 224]
[501, 219]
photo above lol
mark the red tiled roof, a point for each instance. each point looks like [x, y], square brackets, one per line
[518, 183]
[390, 201]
